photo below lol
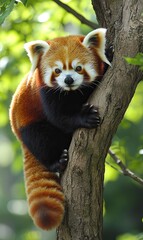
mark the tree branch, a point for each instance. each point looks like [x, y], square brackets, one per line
[76, 14]
[124, 169]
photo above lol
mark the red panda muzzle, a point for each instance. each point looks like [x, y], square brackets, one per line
[44, 194]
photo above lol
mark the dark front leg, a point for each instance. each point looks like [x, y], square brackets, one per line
[67, 112]
[47, 144]
[88, 117]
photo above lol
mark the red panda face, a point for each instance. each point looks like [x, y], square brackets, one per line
[68, 63]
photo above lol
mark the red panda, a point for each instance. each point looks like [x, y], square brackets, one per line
[46, 109]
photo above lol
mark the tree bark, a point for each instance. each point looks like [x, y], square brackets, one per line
[83, 179]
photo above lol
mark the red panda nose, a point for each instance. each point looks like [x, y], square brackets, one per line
[69, 80]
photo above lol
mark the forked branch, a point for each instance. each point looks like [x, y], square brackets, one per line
[124, 169]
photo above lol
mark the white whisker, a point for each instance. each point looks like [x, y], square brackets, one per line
[79, 90]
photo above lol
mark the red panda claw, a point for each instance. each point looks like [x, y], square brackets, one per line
[63, 160]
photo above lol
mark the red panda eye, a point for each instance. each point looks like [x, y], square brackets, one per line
[78, 68]
[57, 71]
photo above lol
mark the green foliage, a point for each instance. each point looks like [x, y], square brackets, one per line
[24, 1]
[6, 7]
[137, 60]
[129, 236]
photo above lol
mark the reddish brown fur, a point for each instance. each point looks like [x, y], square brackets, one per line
[44, 194]
[22, 110]
[69, 48]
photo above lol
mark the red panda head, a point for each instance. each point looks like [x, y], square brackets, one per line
[69, 62]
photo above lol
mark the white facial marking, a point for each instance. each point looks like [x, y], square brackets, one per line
[75, 63]
[47, 77]
[91, 71]
[59, 65]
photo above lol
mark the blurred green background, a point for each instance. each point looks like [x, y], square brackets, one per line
[123, 208]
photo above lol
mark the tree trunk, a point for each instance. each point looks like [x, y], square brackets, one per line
[83, 179]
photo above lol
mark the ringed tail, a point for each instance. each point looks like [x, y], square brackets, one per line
[44, 194]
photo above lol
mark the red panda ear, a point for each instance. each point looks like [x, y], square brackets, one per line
[34, 50]
[97, 39]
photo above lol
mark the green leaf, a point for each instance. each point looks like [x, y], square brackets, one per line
[5, 9]
[24, 1]
[137, 60]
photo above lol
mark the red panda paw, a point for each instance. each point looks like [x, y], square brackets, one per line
[90, 116]
[64, 160]
[60, 165]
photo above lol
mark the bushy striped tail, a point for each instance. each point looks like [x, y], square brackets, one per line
[44, 194]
